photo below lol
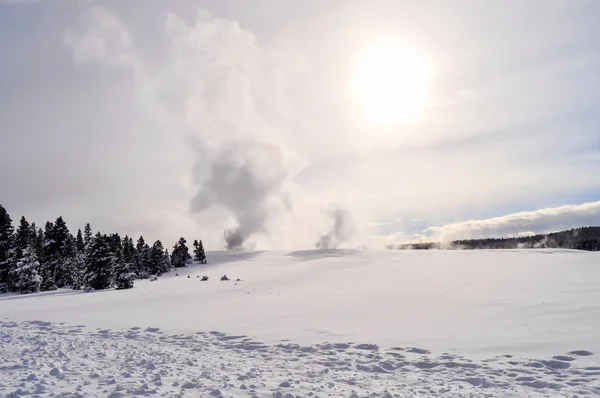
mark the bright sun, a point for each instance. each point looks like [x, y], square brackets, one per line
[391, 83]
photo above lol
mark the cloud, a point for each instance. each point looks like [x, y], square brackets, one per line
[520, 224]
[103, 38]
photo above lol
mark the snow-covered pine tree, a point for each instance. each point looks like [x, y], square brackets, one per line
[156, 261]
[99, 263]
[38, 245]
[141, 258]
[79, 241]
[87, 234]
[47, 267]
[128, 250]
[68, 263]
[6, 248]
[35, 241]
[61, 253]
[116, 244]
[180, 256]
[79, 271]
[167, 261]
[22, 237]
[123, 276]
[25, 276]
[199, 254]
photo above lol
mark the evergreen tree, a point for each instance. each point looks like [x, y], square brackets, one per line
[79, 241]
[25, 274]
[39, 245]
[128, 250]
[60, 253]
[79, 271]
[6, 248]
[87, 234]
[48, 266]
[99, 263]
[142, 259]
[67, 269]
[167, 260]
[180, 255]
[116, 245]
[123, 276]
[156, 261]
[33, 232]
[199, 254]
[22, 237]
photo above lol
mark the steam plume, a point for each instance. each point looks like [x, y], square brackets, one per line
[245, 177]
[341, 230]
[226, 93]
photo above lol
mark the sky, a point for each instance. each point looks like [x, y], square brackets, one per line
[281, 125]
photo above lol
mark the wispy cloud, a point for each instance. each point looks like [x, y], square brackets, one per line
[520, 224]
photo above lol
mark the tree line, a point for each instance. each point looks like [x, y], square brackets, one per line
[584, 238]
[33, 259]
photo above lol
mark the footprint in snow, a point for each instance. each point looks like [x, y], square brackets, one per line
[563, 358]
[582, 353]
[418, 350]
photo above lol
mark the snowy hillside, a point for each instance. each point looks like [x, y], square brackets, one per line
[319, 323]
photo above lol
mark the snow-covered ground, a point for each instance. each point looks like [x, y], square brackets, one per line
[319, 323]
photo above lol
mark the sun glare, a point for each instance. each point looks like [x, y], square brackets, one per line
[391, 83]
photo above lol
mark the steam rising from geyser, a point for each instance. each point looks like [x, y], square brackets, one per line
[246, 177]
[341, 230]
[230, 98]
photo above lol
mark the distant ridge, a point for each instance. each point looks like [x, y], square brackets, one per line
[584, 238]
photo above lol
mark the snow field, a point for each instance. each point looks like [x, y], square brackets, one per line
[319, 323]
[71, 362]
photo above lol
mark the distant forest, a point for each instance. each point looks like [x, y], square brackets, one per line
[585, 238]
[36, 259]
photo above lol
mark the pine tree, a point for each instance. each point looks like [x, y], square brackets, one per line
[25, 274]
[87, 234]
[79, 241]
[199, 254]
[22, 237]
[38, 244]
[68, 263]
[60, 253]
[116, 245]
[128, 250]
[79, 271]
[33, 231]
[155, 264]
[49, 264]
[36, 241]
[123, 276]
[142, 259]
[6, 248]
[180, 255]
[167, 261]
[99, 264]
